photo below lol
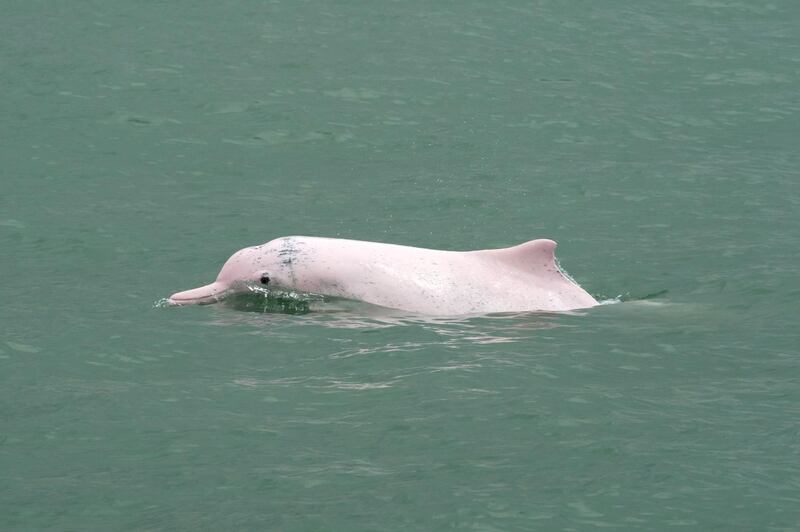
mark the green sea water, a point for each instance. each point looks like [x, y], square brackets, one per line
[142, 143]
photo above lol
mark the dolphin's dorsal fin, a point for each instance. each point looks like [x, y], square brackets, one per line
[533, 256]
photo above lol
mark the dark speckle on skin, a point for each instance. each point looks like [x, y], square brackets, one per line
[288, 252]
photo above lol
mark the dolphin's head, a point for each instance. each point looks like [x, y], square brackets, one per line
[248, 267]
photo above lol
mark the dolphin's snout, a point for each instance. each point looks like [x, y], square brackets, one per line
[203, 295]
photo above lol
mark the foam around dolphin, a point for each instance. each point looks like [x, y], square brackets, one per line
[425, 281]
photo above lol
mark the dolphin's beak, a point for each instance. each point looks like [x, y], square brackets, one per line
[204, 295]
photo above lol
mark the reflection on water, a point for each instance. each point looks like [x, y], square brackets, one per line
[269, 301]
[412, 332]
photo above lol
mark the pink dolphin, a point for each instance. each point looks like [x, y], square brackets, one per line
[425, 281]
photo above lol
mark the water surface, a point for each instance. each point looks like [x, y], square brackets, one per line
[143, 143]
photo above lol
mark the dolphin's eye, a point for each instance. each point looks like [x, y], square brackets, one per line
[264, 279]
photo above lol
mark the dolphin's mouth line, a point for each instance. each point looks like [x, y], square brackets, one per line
[203, 295]
[209, 299]
[189, 299]
[195, 300]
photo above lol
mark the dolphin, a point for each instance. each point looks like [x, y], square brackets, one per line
[434, 282]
